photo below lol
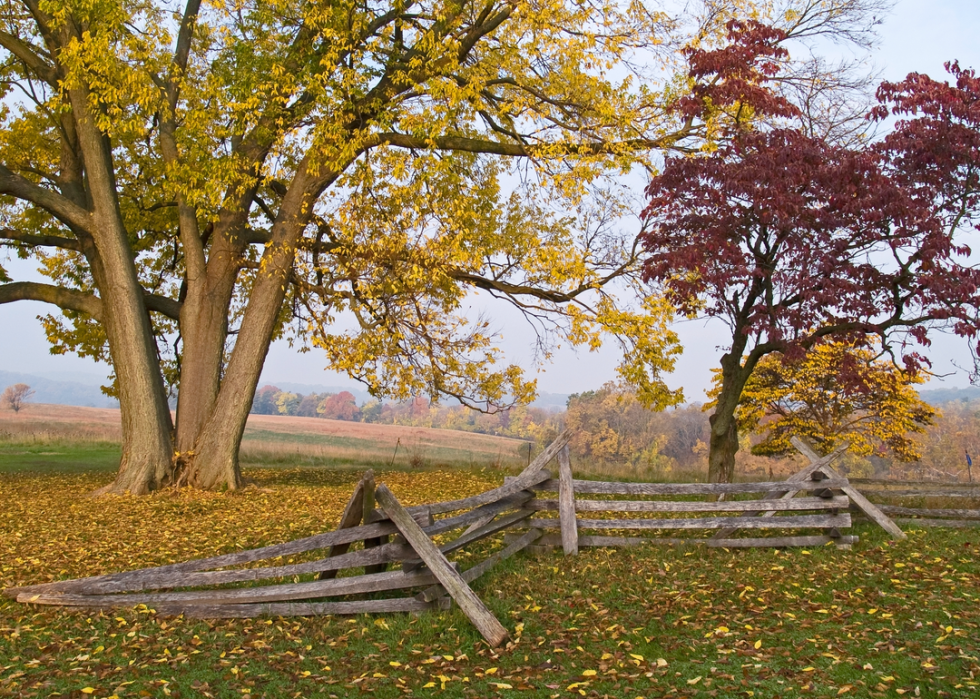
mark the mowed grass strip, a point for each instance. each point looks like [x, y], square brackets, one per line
[884, 619]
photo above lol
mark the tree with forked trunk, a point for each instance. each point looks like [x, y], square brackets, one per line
[198, 185]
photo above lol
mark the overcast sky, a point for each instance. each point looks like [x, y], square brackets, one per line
[919, 35]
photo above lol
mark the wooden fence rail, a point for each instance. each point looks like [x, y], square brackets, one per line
[376, 531]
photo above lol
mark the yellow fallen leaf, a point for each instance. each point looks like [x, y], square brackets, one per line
[808, 669]
[634, 655]
[758, 645]
[501, 685]
[428, 685]
[448, 657]
[395, 663]
[490, 671]
[588, 673]
[872, 611]
[695, 680]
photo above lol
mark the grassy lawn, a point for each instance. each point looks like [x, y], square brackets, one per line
[883, 619]
[57, 456]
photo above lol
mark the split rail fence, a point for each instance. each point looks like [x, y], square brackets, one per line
[376, 532]
[925, 493]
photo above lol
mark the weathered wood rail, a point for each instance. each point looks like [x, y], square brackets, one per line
[387, 533]
[376, 532]
[823, 508]
[924, 516]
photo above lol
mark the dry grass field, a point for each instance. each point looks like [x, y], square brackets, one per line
[39, 431]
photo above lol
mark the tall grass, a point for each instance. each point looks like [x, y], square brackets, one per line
[285, 452]
[58, 433]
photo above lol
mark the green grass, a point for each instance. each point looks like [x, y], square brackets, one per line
[57, 456]
[883, 619]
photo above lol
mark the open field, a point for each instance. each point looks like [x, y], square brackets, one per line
[57, 437]
[883, 619]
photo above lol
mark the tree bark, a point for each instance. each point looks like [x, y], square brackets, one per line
[204, 331]
[723, 440]
[215, 461]
[147, 458]
[723, 444]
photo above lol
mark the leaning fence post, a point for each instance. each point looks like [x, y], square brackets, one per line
[865, 505]
[482, 618]
[353, 514]
[566, 504]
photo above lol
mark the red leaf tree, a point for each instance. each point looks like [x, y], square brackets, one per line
[793, 240]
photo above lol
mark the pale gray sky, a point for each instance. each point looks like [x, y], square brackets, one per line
[919, 35]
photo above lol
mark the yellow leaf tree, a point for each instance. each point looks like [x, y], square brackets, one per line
[198, 182]
[836, 394]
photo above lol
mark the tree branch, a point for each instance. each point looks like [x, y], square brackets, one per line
[52, 202]
[551, 150]
[50, 241]
[81, 301]
[163, 305]
[517, 289]
[67, 299]
[29, 55]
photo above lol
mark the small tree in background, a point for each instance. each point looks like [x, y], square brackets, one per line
[14, 396]
[342, 406]
[837, 394]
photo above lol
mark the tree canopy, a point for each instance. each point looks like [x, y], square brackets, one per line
[198, 183]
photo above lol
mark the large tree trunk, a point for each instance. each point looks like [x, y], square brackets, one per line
[204, 330]
[723, 444]
[147, 459]
[215, 460]
[723, 441]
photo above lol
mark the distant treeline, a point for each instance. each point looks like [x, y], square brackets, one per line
[612, 429]
[533, 424]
